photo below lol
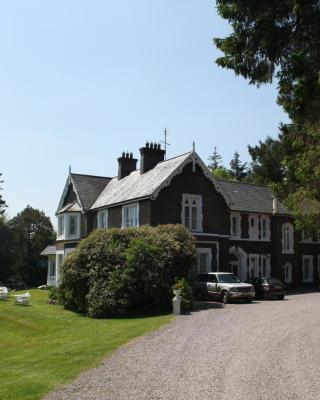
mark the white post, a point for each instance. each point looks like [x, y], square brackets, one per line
[176, 302]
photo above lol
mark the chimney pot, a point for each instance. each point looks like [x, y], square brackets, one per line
[151, 155]
[126, 164]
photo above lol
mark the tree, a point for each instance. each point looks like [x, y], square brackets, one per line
[281, 40]
[278, 39]
[2, 202]
[238, 170]
[223, 173]
[6, 249]
[215, 160]
[32, 231]
[267, 162]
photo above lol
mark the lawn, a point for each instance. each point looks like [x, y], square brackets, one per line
[43, 346]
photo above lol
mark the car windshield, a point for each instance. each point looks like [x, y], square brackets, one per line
[228, 278]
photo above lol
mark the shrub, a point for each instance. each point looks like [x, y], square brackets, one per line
[119, 271]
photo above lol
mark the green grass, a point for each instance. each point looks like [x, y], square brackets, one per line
[43, 346]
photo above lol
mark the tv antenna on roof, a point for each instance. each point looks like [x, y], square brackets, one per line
[165, 143]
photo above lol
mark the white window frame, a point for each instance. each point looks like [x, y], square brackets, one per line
[207, 251]
[308, 279]
[253, 230]
[59, 261]
[190, 198]
[127, 224]
[265, 218]
[52, 267]
[61, 226]
[288, 270]
[237, 234]
[287, 238]
[75, 235]
[99, 218]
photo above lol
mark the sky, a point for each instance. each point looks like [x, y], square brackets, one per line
[81, 81]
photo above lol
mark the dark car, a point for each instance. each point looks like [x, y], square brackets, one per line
[267, 288]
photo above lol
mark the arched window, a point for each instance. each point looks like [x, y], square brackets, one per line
[287, 238]
[288, 273]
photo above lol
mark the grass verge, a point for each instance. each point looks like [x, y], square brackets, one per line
[43, 346]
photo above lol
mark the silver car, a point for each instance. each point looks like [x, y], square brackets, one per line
[223, 286]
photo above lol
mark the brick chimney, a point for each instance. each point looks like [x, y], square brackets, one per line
[151, 155]
[126, 164]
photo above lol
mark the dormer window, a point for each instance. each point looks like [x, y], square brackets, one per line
[235, 225]
[287, 238]
[192, 212]
[102, 217]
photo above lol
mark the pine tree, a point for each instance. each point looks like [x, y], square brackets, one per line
[215, 160]
[238, 169]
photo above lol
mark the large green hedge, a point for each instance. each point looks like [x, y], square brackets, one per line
[119, 271]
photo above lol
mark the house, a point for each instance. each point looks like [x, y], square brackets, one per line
[238, 227]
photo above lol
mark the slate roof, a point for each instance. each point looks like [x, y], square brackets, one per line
[136, 185]
[88, 188]
[250, 197]
[71, 207]
[49, 250]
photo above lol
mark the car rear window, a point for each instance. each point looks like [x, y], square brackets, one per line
[274, 281]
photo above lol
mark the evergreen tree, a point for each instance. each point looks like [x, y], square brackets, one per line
[215, 160]
[238, 170]
[2, 202]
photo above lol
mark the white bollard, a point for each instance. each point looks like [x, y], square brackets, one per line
[176, 302]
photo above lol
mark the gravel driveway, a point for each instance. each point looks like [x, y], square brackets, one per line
[265, 350]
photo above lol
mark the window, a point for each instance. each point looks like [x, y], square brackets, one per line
[235, 225]
[288, 273]
[192, 212]
[61, 225]
[287, 238]
[52, 268]
[263, 228]
[102, 219]
[72, 225]
[204, 260]
[307, 269]
[253, 227]
[130, 216]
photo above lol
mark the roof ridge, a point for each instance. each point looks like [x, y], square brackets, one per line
[92, 176]
[244, 183]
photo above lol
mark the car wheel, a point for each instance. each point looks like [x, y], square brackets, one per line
[248, 300]
[281, 297]
[265, 296]
[225, 297]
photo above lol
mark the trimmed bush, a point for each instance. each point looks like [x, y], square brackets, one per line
[121, 271]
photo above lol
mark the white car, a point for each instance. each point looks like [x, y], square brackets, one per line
[222, 286]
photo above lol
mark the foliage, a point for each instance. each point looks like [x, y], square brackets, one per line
[186, 294]
[118, 271]
[31, 231]
[281, 39]
[267, 162]
[215, 160]
[278, 39]
[46, 346]
[53, 293]
[6, 249]
[3, 204]
[238, 170]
